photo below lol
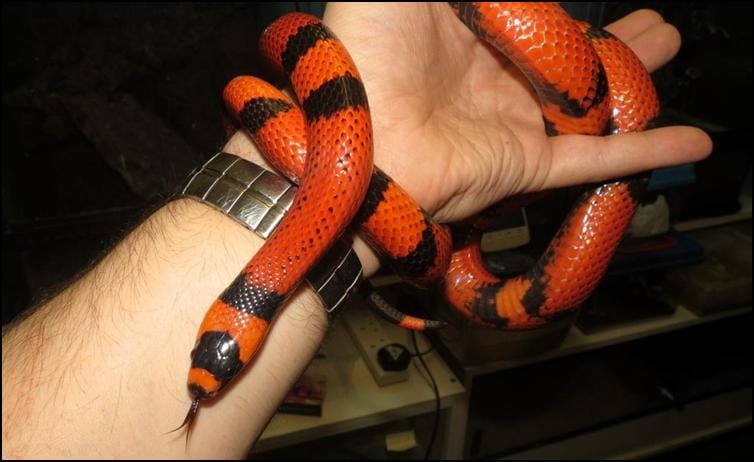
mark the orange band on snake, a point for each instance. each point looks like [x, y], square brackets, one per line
[588, 82]
[331, 188]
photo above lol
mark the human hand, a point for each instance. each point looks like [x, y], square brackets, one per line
[460, 128]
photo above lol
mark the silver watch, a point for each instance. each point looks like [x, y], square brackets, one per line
[258, 199]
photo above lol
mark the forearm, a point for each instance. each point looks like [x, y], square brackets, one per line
[100, 370]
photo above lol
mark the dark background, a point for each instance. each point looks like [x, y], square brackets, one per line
[108, 107]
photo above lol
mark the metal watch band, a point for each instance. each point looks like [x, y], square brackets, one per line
[258, 199]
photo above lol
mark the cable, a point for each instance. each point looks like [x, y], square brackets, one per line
[434, 388]
[417, 354]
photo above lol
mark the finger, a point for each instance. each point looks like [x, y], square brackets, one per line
[657, 45]
[633, 24]
[653, 40]
[578, 159]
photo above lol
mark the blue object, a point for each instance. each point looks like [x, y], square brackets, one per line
[668, 250]
[670, 177]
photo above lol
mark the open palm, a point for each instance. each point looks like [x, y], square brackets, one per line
[460, 127]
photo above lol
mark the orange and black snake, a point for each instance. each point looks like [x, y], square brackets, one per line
[587, 81]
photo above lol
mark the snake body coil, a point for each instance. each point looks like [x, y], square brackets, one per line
[331, 187]
[587, 81]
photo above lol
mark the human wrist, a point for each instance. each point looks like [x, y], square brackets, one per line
[124, 331]
[241, 146]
